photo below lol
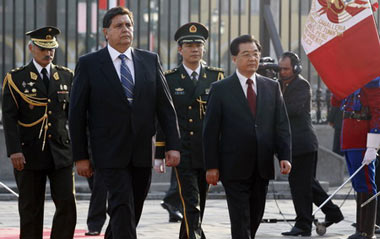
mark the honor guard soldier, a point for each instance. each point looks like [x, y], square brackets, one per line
[35, 110]
[360, 141]
[189, 85]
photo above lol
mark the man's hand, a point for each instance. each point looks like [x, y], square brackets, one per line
[18, 161]
[159, 166]
[369, 156]
[172, 158]
[285, 166]
[84, 168]
[212, 176]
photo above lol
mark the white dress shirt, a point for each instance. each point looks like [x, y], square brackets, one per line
[39, 69]
[190, 71]
[117, 61]
[243, 82]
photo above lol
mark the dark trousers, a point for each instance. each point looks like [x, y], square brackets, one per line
[31, 185]
[172, 195]
[306, 190]
[246, 204]
[98, 203]
[336, 143]
[127, 189]
[193, 188]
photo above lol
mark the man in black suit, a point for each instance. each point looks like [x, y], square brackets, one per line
[246, 124]
[118, 92]
[35, 110]
[304, 187]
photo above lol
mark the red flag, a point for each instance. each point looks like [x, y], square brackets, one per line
[341, 40]
[103, 4]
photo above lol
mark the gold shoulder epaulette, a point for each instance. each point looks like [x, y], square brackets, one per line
[212, 68]
[168, 72]
[64, 68]
[17, 69]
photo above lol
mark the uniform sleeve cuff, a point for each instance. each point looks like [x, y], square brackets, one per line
[373, 140]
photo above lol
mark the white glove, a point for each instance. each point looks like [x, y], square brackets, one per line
[159, 166]
[369, 156]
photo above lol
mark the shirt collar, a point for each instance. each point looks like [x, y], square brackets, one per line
[190, 71]
[243, 79]
[39, 67]
[115, 54]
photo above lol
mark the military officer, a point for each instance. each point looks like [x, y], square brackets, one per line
[35, 109]
[189, 85]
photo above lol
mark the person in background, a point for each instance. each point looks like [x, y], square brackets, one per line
[305, 188]
[189, 85]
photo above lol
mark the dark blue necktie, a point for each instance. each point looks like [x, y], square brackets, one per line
[126, 78]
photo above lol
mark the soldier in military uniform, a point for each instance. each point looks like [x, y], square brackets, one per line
[189, 85]
[35, 111]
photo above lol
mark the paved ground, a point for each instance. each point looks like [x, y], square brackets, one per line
[216, 224]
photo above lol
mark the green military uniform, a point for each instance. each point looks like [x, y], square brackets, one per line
[35, 124]
[190, 104]
[190, 99]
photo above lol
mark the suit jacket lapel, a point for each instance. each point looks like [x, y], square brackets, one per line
[139, 74]
[54, 80]
[186, 82]
[201, 84]
[239, 93]
[39, 84]
[109, 71]
[259, 94]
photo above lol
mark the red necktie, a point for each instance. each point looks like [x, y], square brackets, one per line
[251, 96]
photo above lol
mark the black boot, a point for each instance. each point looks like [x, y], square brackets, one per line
[365, 218]
[359, 201]
[369, 217]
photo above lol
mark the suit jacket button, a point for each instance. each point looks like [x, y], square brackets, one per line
[50, 112]
[191, 120]
[49, 100]
[191, 133]
[49, 136]
[189, 107]
[49, 124]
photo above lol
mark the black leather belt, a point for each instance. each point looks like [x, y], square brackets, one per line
[357, 116]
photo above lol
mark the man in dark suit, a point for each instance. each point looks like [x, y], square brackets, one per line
[35, 110]
[189, 86]
[246, 124]
[304, 187]
[118, 92]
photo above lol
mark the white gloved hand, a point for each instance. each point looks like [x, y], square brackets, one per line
[159, 166]
[369, 156]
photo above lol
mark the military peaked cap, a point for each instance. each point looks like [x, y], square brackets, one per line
[44, 37]
[191, 32]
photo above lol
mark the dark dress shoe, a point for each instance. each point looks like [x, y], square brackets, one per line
[92, 233]
[297, 232]
[334, 217]
[174, 214]
[377, 230]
